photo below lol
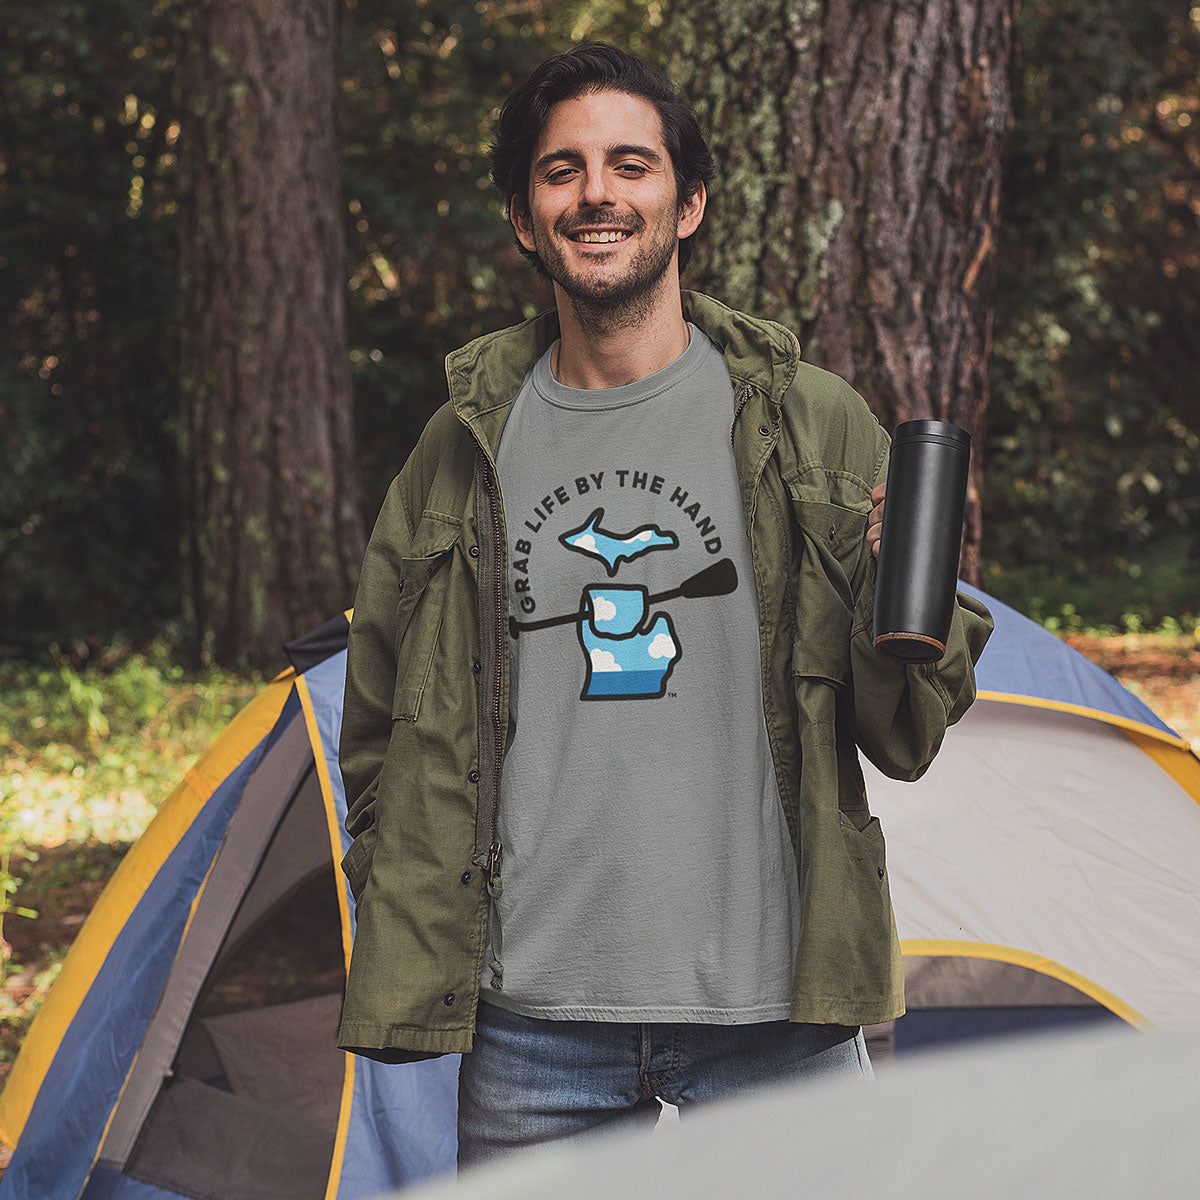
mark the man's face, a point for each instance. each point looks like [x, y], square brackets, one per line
[604, 215]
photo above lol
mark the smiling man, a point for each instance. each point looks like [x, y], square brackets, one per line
[611, 666]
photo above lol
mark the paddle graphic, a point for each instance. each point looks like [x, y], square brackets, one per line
[719, 579]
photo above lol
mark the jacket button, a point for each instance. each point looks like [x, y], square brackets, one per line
[466, 878]
[765, 430]
[832, 535]
[474, 552]
[400, 587]
[880, 872]
[473, 776]
[476, 666]
[448, 999]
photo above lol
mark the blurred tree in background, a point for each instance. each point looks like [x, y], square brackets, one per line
[273, 522]
[856, 201]
[1092, 457]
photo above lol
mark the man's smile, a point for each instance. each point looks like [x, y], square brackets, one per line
[600, 235]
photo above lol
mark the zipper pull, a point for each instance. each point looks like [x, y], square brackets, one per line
[491, 872]
[495, 862]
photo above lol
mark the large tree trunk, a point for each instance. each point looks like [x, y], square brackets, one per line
[859, 152]
[274, 519]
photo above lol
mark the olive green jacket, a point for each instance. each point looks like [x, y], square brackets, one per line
[426, 714]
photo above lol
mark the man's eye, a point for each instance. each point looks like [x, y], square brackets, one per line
[632, 168]
[559, 176]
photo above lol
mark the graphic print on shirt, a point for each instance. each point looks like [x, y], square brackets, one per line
[623, 661]
[613, 548]
[629, 651]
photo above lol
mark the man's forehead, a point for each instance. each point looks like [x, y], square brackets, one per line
[610, 120]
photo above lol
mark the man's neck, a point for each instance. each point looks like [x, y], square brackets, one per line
[627, 346]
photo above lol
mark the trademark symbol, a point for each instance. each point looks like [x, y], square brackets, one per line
[672, 695]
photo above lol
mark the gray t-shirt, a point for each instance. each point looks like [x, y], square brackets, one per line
[648, 870]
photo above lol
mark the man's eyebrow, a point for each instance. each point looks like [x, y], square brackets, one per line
[566, 154]
[640, 151]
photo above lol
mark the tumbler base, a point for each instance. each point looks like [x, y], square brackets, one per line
[910, 647]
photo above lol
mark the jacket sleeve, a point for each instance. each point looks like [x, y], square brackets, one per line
[902, 711]
[371, 661]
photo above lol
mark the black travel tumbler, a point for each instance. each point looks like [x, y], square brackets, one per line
[922, 532]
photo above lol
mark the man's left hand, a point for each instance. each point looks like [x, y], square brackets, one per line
[875, 520]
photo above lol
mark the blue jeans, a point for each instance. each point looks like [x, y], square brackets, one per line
[528, 1080]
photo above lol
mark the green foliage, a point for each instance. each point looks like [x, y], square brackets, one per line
[1159, 591]
[1093, 465]
[88, 505]
[91, 754]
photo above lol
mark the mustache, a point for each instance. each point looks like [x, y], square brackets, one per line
[568, 224]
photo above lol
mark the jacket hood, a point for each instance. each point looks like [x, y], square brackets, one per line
[760, 353]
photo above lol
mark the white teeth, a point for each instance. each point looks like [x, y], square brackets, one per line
[608, 235]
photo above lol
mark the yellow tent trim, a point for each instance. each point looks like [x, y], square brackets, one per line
[1096, 714]
[1183, 768]
[331, 817]
[335, 846]
[121, 897]
[937, 947]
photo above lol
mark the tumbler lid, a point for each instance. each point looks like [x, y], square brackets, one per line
[931, 431]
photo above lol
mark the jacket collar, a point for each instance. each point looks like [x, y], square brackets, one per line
[485, 375]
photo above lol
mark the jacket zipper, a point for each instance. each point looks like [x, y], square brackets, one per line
[495, 850]
[493, 857]
[741, 398]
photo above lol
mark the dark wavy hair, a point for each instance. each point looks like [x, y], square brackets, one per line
[595, 67]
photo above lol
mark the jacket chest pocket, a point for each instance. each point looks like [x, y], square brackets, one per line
[420, 606]
[830, 545]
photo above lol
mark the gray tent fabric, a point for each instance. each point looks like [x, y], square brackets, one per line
[299, 849]
[953, 982]
[275, 1055]
[274, 1116]
[265, 1153]
[1103, 1114]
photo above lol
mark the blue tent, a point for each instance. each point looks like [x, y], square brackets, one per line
[187, 1046]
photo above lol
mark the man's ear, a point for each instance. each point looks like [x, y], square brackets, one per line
[518, 214]
[691, 212]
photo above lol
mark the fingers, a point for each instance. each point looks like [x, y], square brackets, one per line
[875, 520]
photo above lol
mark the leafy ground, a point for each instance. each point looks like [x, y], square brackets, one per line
[85, 759]
[1163, 670]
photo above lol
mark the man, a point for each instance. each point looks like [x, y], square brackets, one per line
[610, 658]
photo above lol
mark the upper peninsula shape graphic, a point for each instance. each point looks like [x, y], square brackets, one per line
[613, 548]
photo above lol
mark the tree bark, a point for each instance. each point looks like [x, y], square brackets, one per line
[274, 528]
[859, 150]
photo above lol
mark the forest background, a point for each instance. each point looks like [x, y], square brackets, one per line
[1089, 445]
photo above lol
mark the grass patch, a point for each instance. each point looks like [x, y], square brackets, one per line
[86, 757]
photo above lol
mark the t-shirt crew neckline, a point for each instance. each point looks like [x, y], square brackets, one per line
[599, 399]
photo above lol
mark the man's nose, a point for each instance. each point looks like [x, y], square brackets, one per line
[596, 190]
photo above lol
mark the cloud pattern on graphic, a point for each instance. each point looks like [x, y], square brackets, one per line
[603, 609]
[663, 646]
[604, 660]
